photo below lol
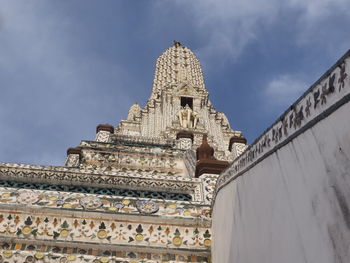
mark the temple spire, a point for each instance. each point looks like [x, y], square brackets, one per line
[176, 65]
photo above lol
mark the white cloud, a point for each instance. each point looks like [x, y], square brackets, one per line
[230, 25]
[315, 9]
[322, 23]
[283, 90]
[226, 26]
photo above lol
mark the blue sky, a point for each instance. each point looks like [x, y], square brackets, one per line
[66, 66]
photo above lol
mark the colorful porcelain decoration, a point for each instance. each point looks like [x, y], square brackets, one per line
[27, 197]
[147, 207]
[91, 202]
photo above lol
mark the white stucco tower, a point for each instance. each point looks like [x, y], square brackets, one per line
[179, 104]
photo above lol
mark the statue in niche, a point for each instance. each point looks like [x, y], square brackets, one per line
[188, 118]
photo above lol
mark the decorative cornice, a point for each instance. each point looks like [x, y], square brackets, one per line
[131, 148]
[127, 179]
[61, 202]
[142, 140]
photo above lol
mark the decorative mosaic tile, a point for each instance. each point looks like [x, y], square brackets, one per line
[123, 178]
[42, 253]
[103, 203]
[15, 256]
[99, 190]
[106, 231]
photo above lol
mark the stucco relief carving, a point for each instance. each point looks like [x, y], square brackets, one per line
[27, 197]
[103, 136]
[120, 177]
[178, 74]
[72, 160]
[185, 143]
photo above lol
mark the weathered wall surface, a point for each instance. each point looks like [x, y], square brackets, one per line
[287, 198]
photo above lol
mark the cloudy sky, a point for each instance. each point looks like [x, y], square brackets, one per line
[66, 66]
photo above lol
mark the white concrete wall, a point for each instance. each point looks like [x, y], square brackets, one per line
[293, 206]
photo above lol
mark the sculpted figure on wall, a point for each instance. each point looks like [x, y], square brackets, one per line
[134, 112]
[188, 118]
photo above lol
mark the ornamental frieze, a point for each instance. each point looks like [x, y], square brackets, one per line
[167, 151]
[102, 231]
[101, 203]
[123, 178]
[131, 160]
[21, 252]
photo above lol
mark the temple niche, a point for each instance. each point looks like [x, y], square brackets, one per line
[138, 193]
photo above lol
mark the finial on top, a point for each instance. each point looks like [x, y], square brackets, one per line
[177, 43]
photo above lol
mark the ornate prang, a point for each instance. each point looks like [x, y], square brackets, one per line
[179, 101]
